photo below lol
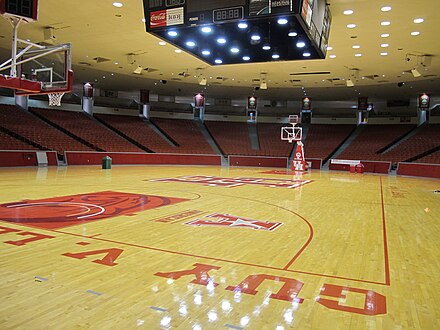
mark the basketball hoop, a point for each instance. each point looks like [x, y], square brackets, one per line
[55, 99]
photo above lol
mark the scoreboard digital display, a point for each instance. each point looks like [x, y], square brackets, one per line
[309, 20]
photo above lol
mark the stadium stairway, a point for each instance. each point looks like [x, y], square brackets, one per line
[201, 126]
[161, 133]
[253, 136]
[344, 145]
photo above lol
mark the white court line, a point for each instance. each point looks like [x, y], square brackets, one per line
[61, 203]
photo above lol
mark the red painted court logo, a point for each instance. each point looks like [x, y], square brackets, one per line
[228, 220]
[213, 181]
[65, 211]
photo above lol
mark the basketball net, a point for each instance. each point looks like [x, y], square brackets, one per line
[55, 99]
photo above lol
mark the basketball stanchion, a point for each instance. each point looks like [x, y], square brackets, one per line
[294, 133]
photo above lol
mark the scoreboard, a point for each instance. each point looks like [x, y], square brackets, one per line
[310, 18]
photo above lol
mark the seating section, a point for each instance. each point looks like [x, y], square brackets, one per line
[36, 130]
[427, 138]
[139, 131]
[185, 133]
[232, 137]
[88, 129]
[322, 140]
[373, 138]
[270, 141]
[8, 142]
[433, 158]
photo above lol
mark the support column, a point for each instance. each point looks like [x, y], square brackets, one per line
[144, 110]
[22, 101]
[87, 100]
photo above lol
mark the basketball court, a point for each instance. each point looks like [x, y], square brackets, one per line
[212, 247]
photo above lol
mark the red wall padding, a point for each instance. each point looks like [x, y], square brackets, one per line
[95, 158]
[258, 161]
[316, 163]
[369, 166]
[25, 158]
[424, 170]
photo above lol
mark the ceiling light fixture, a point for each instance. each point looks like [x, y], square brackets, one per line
[356, 46]
[418, 20]
[351, 26]
[218, 61]
[385, 35]
[292, 33]
[178, 51]
[348, 12]
[384, 45]
[190, 43]
[415, 33]
[386, 8]
[307, 54]
[332, 56]
[242, 25]
[358, 55]
[385, 23]
[246, 58]
[300, 44]
[117, 4]
[266, 46]
[206, 29]
[235, 50]
[282, 21]
[221, 40]
[384, 54]
[206, 52]
[172, 33]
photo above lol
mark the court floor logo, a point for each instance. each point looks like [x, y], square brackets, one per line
[65, 211]
[213, 181]
[232, 221]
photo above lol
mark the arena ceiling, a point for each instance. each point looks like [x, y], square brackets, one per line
[109, 43]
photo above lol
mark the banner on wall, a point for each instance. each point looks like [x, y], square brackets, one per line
[306, 104]
[144, 96]
[199, 100]
[252, 103]
[424, 100]
[88, 90]
[363, 103]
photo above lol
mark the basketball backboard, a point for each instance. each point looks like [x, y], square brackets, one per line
[47, 69]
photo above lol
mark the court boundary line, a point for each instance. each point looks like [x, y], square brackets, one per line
[385, 239]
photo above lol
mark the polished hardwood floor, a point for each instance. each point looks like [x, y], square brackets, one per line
[165, 247]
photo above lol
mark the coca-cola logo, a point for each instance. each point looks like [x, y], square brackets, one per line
[158, 18]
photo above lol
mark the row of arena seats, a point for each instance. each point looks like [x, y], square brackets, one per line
[372, 139]
[69, 130]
